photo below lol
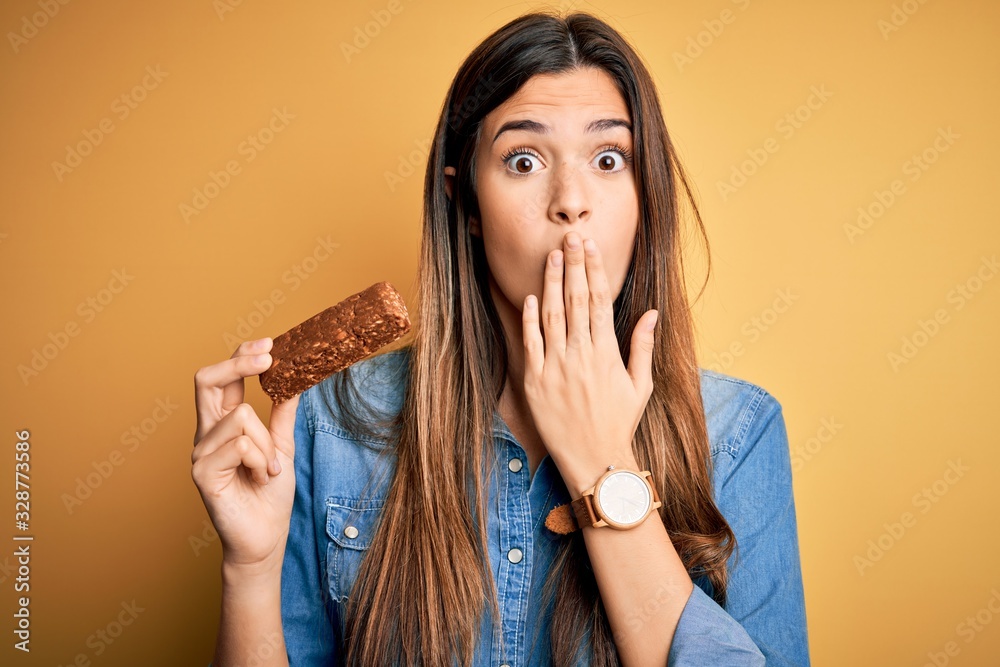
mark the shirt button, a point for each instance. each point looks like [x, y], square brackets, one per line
[351, 532]
[514, 465]
[515, 555]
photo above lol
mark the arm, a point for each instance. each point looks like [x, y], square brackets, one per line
[285, 600]
[249, 510]
[250, 628]
[586, 406]
[653, 614]
[654, 609]
[642, 581]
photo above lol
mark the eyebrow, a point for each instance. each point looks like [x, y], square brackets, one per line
[528, 125]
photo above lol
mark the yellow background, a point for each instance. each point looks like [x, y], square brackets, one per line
[324, 175]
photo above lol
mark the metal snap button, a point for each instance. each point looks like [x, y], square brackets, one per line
[515, 555]
[515, 465]
[351, 532]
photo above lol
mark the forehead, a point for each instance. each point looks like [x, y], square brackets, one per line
[586, 93]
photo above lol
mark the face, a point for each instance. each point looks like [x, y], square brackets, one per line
[554, 158]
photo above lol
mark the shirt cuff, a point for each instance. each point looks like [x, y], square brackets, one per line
[707, 635]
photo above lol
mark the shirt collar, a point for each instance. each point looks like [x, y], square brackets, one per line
[500, 428]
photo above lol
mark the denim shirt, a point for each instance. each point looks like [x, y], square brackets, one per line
[332, 526]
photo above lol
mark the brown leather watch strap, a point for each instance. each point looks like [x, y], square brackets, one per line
[583, 510]
[561, 520]
[565, 519]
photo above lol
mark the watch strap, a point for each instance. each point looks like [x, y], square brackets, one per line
[583, 510]
[561, 520]
[568, 517]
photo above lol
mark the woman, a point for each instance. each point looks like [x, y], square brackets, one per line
[553, 341]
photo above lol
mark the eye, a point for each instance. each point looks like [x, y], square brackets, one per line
[522, 165]
[610, 155]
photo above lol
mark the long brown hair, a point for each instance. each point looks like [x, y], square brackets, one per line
[426, 580]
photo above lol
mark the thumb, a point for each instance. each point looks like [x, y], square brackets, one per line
[640, 360]
[282, 425]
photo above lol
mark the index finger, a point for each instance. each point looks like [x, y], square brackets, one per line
[219, 388]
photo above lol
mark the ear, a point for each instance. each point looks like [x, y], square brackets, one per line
[449, 188]
[449, 181]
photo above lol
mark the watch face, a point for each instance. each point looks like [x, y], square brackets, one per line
[624, 497]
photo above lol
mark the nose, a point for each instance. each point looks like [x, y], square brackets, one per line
[569, 199]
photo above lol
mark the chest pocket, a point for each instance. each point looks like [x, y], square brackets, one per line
[350, 526]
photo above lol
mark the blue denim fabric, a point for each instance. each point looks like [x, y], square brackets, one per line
[332, 526]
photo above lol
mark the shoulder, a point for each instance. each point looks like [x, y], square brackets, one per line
[737, 414]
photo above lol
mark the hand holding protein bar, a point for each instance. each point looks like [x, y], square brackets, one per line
[243, 469]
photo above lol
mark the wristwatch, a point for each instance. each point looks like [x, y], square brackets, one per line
[621, 499]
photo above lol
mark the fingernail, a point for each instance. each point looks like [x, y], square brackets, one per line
[260, 343]
[557, 259]
[590, 246]
[573, 242]
[261, 358]
[529, 303]
[277, 465]
[652, 322]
